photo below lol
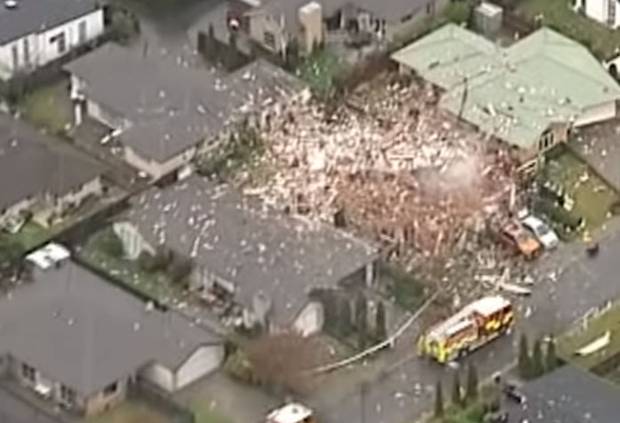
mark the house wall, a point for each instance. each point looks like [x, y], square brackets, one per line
[38, 49]
[76, 197]
[596, 9]
[261, 23]
[160, 376]
[155, 169]
[599, 113]
[104, 115]
[203, 361]
[310, 320]
[101, 401]
[403, 30]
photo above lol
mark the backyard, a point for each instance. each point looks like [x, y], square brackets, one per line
[49, 107]
[156, 284]
[593, 198]
[132, 412]
[29, 236]
[558, 14]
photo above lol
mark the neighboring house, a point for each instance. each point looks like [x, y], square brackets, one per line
[275, 23]
[606, 12]
[164, 114]
[243, 251]
[81, 342]
[34, 32]
[528, 95]
[42, 175]
[568, 395]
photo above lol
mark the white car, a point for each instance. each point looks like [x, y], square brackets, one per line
[541, 231]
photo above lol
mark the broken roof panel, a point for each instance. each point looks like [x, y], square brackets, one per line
[247, 243]
[515, 93]
[80, 330]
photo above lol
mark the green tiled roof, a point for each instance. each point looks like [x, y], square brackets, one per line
[513, 93]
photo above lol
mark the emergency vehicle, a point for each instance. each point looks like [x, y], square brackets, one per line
[472, 327]
[292, 413]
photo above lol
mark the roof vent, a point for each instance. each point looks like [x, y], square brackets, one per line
[10, 4]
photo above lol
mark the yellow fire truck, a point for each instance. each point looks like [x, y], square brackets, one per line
[472, 327]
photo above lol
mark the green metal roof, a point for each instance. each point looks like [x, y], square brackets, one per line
[513, 93]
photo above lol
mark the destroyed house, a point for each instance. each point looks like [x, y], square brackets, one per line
[567, 395]
[163, 113]
[528, 95]
[260, 262]
[82, 343]
[41, 175]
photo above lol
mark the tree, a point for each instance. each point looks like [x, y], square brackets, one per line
[538, 367]
[457, 399]
[525, 363]
[438, 400]
[471, 391]
[551, 361]
[380, 325]
[361, 320]
[282, 361]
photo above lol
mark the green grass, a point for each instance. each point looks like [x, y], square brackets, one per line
[30, 236]
[558, 15]
[131, 412]
[49, 107]
[406, 291]
[155, 285]
[320, 71]
[578, 337]
[593, 197]
[204, 414]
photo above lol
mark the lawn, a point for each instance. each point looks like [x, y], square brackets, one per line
[131, 412]
[581, 336]
[320, 71]
[155, 285]
[558, 15]
[49, 107]
[592, 196]
[30, 236]
[204, 414]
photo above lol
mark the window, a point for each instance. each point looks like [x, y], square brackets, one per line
[15, 54]
[82, 32]
[60, 41]
[29, 373]
[26, 51]
[110, 389]
[270, 39]
[430, 8]
[67, 395]
[546, 140]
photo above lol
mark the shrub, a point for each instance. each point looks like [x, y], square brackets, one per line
[111, 244]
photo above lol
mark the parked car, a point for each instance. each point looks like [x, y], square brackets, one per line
[543, 233]
[519, 239]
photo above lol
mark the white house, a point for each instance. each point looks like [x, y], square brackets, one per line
[164, 113]
[246, 254]
[606, 12]
[63, 178]
[83, 342]
[34, 32]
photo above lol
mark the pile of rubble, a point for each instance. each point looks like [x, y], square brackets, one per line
[389, 165]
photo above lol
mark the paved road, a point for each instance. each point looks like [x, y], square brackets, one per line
[404, 391]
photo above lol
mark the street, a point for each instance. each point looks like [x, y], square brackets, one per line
[402, 390]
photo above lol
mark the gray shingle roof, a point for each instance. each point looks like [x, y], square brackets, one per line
[27, 156]
[239, 240]
[14, 410]
[80, 330]
[172, 107]
[36, 15]
[569, 395]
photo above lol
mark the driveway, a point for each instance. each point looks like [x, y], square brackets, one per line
[400, 387]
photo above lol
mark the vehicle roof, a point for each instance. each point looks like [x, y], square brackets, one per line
[489, 305]
[290, 413]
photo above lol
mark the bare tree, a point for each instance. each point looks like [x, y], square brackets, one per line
[282, 361]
